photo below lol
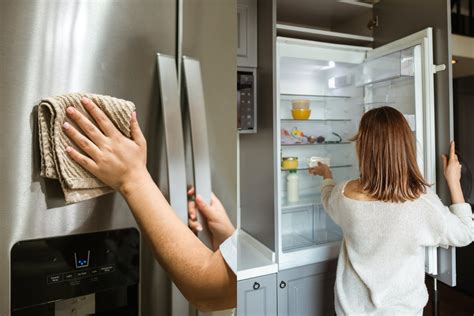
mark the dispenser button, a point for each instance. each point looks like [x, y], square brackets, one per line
[106, 269]
[68, 276]
[82, 273]
[56, 278]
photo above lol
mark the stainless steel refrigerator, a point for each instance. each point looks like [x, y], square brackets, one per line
[48, 48]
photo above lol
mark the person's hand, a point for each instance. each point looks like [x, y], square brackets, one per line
[452, 173]
[109, 155]
[219, 224]
[451, 166]
[321, 170]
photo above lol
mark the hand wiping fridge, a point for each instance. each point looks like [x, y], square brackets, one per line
[204, 276]
[76, 182]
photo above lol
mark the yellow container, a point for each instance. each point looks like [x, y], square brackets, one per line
[289, 163]
[301, 114]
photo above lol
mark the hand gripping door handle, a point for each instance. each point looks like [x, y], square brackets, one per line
[199, 139]
[174, 143]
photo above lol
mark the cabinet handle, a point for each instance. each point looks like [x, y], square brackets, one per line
[256, 286]
[282, 284]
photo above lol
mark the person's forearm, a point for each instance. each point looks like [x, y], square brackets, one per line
[456, 192]
[201, 275]
[327, 174]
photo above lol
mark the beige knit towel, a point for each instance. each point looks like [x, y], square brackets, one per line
[76, 182]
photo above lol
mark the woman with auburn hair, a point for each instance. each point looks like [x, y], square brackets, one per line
[388, 216]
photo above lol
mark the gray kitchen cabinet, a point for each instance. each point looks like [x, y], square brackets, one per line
[247, 45]
[307, 290]
[257, 296]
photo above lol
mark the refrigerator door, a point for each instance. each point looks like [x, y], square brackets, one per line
[401, 74]
[174, 142]
[418, 15]
[52, 47]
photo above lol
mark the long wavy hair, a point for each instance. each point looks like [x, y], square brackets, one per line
[385, 147]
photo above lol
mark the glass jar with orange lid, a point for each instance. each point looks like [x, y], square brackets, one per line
[289, 163]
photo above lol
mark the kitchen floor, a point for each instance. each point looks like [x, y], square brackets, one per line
[451, 301]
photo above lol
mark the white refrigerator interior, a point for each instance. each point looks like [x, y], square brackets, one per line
[341, 83]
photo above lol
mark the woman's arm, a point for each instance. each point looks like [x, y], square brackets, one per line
[451, 226]
[459, 228]
[201, 275]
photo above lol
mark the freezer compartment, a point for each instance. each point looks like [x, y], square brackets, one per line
[307, 226]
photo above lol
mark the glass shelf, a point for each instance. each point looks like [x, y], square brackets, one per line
[296, 242]
[316, 144]
[332, 167]
[312, 97]
[316, 120]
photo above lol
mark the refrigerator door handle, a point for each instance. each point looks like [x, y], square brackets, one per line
[438, 68]
[199, 136]
[174, 144]
[173, 129]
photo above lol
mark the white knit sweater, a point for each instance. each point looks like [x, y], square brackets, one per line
[381, 263]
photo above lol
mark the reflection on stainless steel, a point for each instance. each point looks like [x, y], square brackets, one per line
[52, 47]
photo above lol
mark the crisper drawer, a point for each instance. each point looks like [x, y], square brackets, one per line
[297, 227]
[307, 226]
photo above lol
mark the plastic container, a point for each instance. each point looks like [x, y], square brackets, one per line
[301, 114]
[313, 161]
[300, 104]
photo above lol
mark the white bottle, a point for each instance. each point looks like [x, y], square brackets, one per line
[292, 186]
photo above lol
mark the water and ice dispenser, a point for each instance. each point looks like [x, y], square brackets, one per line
[87, 274]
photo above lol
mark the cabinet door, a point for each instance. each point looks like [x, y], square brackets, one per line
[307, 290]
[247, 33]
[418, 15]
[257, 296]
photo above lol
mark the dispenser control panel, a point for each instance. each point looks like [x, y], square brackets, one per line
[65, 267]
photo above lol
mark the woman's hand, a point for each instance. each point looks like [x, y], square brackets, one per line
[218, 222]
[321, 170]
[113, 158]
[452, 167]
[452, 173]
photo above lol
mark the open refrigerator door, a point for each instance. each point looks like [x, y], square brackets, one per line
[401, 74]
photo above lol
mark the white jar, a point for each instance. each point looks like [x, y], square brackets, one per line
[292, 186]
